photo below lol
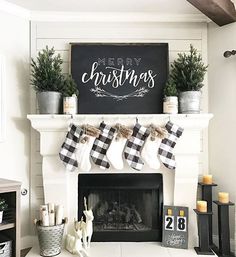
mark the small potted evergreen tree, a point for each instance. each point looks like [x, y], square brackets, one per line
[188, 72]
[170, 104]
[70, 96]
[3, 207]
[47, 79]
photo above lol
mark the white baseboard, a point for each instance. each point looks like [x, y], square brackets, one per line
[28, 241]
[232, 243]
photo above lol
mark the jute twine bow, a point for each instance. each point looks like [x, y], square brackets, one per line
[122, 131]
[157, 132]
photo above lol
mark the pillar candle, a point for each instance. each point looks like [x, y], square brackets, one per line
[202, 206]
[207, 179]
[223, 197]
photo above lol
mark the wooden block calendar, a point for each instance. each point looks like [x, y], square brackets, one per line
[175, 227]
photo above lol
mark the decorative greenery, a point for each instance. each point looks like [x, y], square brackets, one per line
[170, 88]
[3, 204]
[70, 87]
[46, 71]
[188, 71]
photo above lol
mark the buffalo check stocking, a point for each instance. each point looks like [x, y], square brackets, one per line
[69, 147]
[167, 145]
[100, 146]
[133, 147]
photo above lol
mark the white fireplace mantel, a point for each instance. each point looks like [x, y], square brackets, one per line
[58, 122]
[180, 186]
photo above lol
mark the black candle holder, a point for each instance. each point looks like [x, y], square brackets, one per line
[207, 196]
[224, 229]
[203, 233]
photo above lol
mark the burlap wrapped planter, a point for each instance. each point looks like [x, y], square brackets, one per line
[50, 239]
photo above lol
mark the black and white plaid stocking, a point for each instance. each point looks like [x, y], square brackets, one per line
[101, 144]
[167, 145]
[68, 148]
[134, 145]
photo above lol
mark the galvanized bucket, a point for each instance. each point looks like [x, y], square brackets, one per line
[49, 102]
[189, 102]
[50, 239]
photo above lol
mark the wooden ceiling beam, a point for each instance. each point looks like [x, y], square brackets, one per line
[222, 12]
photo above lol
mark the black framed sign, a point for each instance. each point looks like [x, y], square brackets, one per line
[120, 78]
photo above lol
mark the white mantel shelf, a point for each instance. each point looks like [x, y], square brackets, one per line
[59, 122]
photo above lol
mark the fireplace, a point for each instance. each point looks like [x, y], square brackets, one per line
[179, 187]
[126, 207]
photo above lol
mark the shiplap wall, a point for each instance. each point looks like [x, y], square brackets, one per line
[179, 36]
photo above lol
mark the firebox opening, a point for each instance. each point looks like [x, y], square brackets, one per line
[126, 207]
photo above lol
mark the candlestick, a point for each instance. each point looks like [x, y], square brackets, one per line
[202, 206]
[224, 229]
[207, 196]
[203, 233]
[207, 179]
[223, 197]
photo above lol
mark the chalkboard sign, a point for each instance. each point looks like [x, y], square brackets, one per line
[120, 78]
[175, 227]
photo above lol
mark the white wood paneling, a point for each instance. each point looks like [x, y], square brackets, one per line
[59, 34]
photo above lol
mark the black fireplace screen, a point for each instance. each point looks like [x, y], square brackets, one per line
[123, 209]
[126, 207]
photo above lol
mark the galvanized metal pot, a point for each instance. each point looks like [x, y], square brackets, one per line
[170, 105]
[49, 102]
[189, 102]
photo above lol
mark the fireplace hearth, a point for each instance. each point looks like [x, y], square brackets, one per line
[126, 207]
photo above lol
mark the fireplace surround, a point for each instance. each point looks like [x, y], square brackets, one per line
[179, 187]
[126, 207]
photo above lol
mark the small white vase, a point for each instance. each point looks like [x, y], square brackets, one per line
[70, 105]
[1, 215]
[170, 105]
